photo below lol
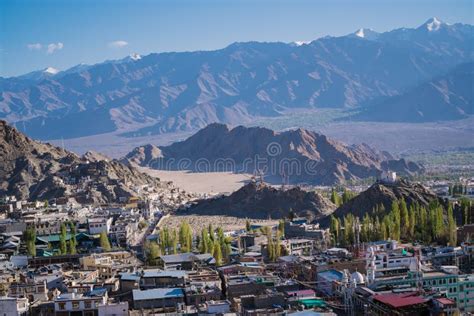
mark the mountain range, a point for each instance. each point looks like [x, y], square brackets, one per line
[31, 170]
[294, 156]
[185, 91]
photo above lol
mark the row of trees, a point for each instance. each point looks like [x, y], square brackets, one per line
[345, 197]
[210, 240]
[215, 242]
[457, 189]
[427, 224]
[65, 246]
[466, 206]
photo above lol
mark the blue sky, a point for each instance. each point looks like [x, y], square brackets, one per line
[41, 33]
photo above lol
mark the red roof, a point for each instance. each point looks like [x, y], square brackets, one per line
[445, 301]
[400, 300]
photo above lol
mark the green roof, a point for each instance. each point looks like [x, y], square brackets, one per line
[55, 237]
[312, 303]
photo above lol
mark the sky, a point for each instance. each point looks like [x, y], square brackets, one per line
[35, 34]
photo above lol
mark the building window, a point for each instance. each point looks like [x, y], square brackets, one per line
[62, 305]
[75, 305]
[87, 304]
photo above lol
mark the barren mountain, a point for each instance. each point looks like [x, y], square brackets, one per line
[37, 171]
[171, 92]
[295, 156]
[261, 201]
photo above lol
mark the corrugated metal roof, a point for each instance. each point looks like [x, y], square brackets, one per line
[139, 295]
[400, 300]
[155, 273]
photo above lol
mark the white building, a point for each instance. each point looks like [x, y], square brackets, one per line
[388, 176]
[99, 224]
[10, 306]
[117, 309]
[218, 307]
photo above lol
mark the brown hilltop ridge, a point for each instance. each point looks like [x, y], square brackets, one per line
[260, 201]
[301, 155]
[38, 171]
[383, 193]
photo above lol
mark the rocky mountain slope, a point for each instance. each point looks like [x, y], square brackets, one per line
[37, 171]
[255, 200]
[170, 92]
[448, 97]
[295, 156]
[381, 193]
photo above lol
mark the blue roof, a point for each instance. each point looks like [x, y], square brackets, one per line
[129, 277]
[139, 295]
[96, 292]
[331, 275]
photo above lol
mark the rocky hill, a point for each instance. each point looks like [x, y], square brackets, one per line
[295, 156]
[38, 171]
[381, 193]
[260, 201]
[169, 92]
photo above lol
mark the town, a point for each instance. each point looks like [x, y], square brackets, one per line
[60, 258]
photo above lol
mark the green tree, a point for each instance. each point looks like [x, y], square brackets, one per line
[347, 196]
[452, 230]
[30, 241]
[334, 229]
[185, 237]
[248, 226]
[211, 232]
[395, 217]
[335, 198]
[173, 242]
[152, 252]
[72, 240]
[412, 222]
[281, 227]
[62, 239]
[104, 241]
[203, 246]
[404, 219]
[217, 253]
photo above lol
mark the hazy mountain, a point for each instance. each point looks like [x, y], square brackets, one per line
[189, 90]
[294, 156]
[447, 97]
[39, 171]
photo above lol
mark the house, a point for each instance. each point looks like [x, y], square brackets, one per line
[400, 304]
[72, 304]
[167, 300]
[99, 224]
[185, 261]
[329, 281]
[12, 306]
[153, 278]
[444, 306]
[116, 309]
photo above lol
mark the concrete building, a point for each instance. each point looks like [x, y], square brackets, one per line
[11, 306]
[161, 300]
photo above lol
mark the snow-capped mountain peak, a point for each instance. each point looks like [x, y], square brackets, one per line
[51, 71]
[299, 43]
[135, 56]
[366, 34]
[433, 24]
